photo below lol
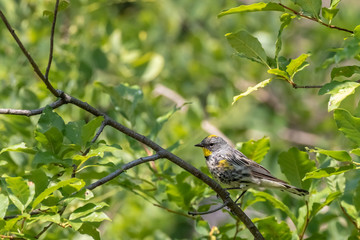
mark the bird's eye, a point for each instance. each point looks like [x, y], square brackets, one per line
[211, 144]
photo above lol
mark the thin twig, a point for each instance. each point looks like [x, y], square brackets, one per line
[172, 211]
[210, 211]
[307, 220]
[308, 86]
[316, 19]
[28, 56]
[52, 41]
[100, 130]
[349, 217]
[32, 112]
[122, 169]
[50, 224]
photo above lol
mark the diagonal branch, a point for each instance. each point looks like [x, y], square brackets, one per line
[52, 41]
[316, 19]
[122, 169]
[28, 56]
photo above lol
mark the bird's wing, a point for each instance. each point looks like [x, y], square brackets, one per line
[257, 170]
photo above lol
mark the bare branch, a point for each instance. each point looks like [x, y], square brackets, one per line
[315, 19]
[122, 169]
[27, 55]
[52, 41]
[32, 112]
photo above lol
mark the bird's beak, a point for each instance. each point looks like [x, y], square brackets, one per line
[199, 145]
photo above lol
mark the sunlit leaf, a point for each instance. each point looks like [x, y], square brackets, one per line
[252, 89]
[328, 171]
[19, 192]
[4, 203]
[253, 8]
[21, 147]
[338, 155]
[52, 189]
[338, 91]
[318, 206]
[256, 150]
[329, 13]
[297, 65]
[279, 73]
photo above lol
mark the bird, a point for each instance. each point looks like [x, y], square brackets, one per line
[232, 168]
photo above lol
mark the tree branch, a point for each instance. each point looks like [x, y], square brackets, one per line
[315, 19]
[28, 56]
[121, 170]
[32, 112]
[52, 41]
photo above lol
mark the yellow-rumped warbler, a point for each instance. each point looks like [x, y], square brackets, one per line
[233, 168]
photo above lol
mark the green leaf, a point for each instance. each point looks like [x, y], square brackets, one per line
[256, 7]
[295, 164]
[297, 65]
[350, 209]
[348, 125]
[40, 179]
[338, 155]
[276, 203]
[52, 139]
[357, 32]
[49, 15]
[285, 21]
[19, 192]
[45, 158]
[329, 13]
[311, 7]
[252, 89]
[4, 203]
[247, 45]
[63, 4]
[89, 229]
[328, 171]
[49, 119]
[124, 97]
[46, 217]
[279, 73]
[52, 189]
[21, 147]
[86, 210]
[95, 217]
[334, 3]
[318, 206]
[73, 131]
[256, 150]
[338, 91]
[160, 121]
[89, 129]
[356, 197]
[346, 71]
[272, 230]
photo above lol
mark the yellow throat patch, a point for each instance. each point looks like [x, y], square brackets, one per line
[207, 152]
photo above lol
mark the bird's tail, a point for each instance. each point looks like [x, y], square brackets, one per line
[295, 190]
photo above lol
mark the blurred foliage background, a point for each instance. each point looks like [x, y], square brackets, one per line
[137, 61]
